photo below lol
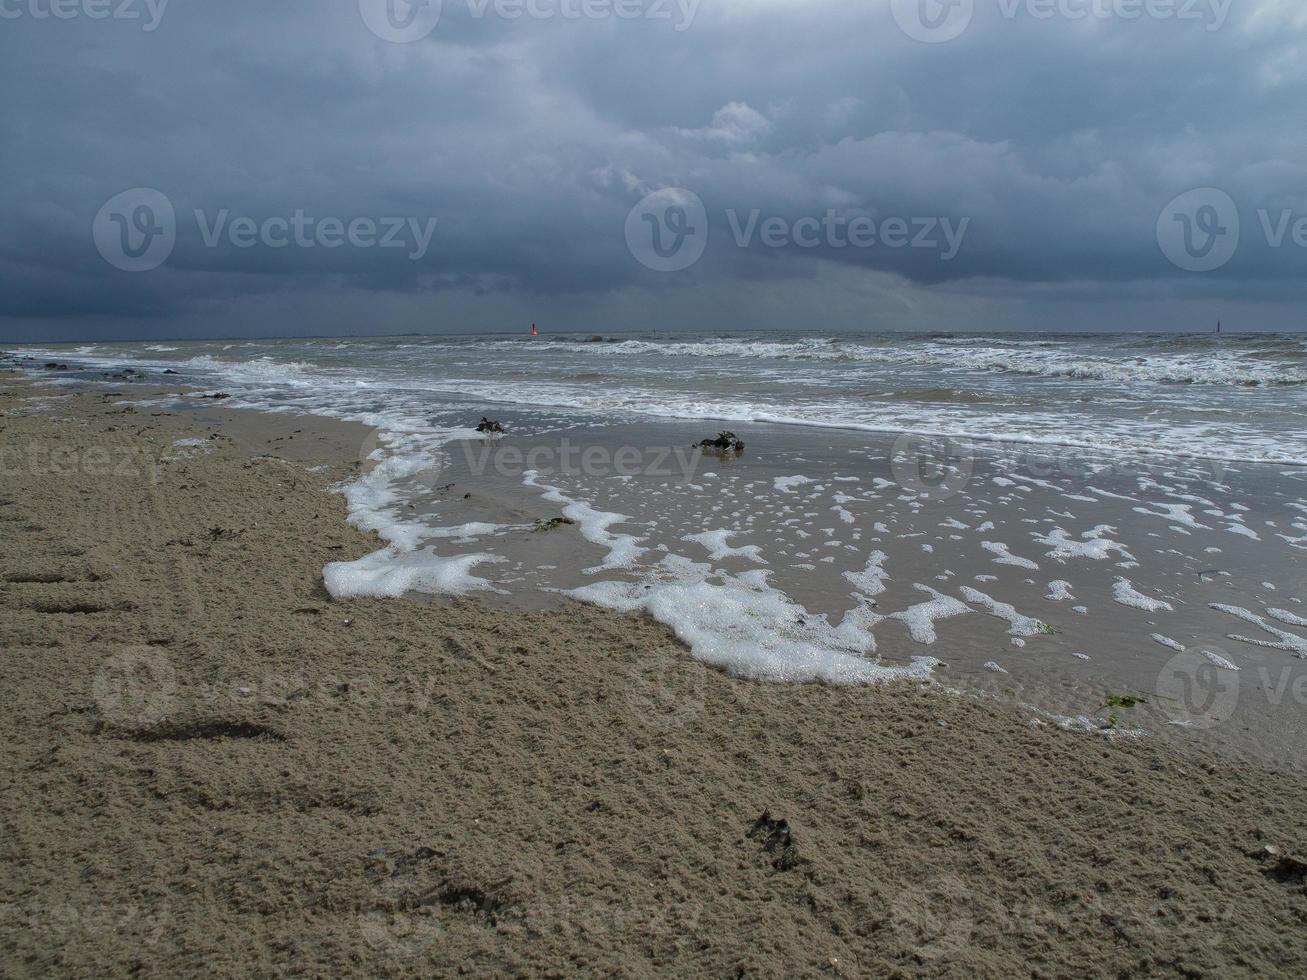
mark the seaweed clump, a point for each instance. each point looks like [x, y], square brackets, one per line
[1124, 701]
[726, 442]
[551, 523]
[777, 841]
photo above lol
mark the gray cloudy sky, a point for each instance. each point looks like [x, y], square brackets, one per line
[881, 164]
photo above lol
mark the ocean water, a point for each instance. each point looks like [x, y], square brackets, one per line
[1057, 518]
[1235, 397]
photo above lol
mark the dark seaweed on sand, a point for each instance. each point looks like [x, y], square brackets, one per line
[725, 442]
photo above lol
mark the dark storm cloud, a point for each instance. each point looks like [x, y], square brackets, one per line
[485, 173]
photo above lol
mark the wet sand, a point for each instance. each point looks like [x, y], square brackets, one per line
[1067, 582]
[213, 766]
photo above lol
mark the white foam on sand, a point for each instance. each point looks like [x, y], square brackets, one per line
[1247, 532]
[753, 631]
[1092, 544]
[1295, 542]
[786, 484]
[1284, 616]
[1108, 493]
[715, 542]
[376, 501]
[623, 549]
[1123, 591]
[1018, 623]
[393, 572]
[1005, 557]
[1059, 591]
[188, 449]
[465, 532]
[871, 580]
[1178, 513]
[1289, 642]
[1219, 661]
[1166, 641]
[920, 619]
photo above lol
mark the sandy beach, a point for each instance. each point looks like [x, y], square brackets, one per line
[213, 766]
[650, 488]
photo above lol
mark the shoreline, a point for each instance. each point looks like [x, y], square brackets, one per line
[216, 766]
[1186, 701]
[1175, 379]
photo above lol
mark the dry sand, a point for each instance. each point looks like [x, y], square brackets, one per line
[212, 767]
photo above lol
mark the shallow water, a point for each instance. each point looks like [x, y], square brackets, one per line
[1102, 503]
[1230, 397]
